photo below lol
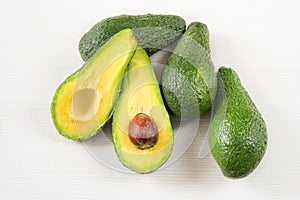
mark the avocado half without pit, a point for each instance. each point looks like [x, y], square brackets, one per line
[83, 103]
[141, 129]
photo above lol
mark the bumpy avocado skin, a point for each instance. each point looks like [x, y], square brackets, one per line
[188, 80]
[238, 133]
[153, 32]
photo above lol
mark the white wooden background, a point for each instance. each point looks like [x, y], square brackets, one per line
[38, 50]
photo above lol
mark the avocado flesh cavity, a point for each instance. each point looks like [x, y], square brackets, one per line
[188, 79]
[141, 94]
[83, 102]
[238, 134]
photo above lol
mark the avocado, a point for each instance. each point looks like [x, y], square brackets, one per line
[141, 127]
[83, 102]
[153, 32]
[189, 81]
[238, 133]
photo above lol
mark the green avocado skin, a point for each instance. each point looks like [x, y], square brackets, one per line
[188, 80]
[238, 133]
[153, 32]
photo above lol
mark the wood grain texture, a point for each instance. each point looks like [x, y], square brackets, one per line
[260, 39]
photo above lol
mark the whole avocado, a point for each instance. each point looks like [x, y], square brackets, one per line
[153, 32]
[188, 80]
[238, 133]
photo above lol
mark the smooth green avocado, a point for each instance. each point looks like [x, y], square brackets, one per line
[141, 96]
[238, 133]
[83, 103]
[188, 80]
[153, 32]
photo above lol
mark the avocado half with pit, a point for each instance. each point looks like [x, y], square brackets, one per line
[83, 103]
[142, 131]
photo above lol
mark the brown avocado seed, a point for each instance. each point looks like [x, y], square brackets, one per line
[142, 131]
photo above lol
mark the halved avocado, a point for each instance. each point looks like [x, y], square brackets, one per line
[140, 99]
[83, 102]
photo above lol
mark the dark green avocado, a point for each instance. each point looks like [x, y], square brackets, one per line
[238, 133]
[188, 80]
[153, 32]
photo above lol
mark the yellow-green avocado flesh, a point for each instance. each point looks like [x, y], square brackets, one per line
[141, 94]
[83, 103]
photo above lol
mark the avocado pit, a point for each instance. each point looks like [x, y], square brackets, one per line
[142, 131]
